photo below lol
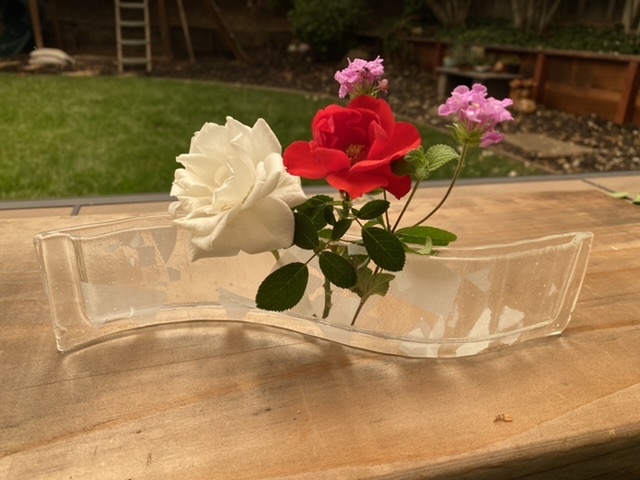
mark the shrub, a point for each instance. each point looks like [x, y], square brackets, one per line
[328, 26]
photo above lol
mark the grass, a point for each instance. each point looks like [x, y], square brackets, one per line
[71, 136]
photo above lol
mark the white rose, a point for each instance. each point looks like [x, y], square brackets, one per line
[235, 191]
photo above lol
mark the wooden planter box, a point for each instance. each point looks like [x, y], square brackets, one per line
[570, 81]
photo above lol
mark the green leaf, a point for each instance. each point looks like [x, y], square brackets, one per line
[341, 227]
[305, 235]
[283, 288]
[619, 194]
[375, 221]
[440, 155]
[329, 216]
[421, 163]
[384, 248]
[372, 284]
[403, 167]
[359, 261]
[413, 162]
[427, 248]
[315, 202]
[637, 199]
[373, 209]
[338, 270]
[315, 209]
[418, 235]
[325, 233]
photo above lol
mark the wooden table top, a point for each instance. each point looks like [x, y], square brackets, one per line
[234, 401]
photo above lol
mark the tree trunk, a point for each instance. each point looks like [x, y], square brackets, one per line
[450, 13]
[631, 17]
[529, 15]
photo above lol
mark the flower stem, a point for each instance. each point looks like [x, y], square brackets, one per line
[357, 312]
[386, 213]
[456, 174]
[363, 300]
[327, 298]
[406, 204]
[346, 204]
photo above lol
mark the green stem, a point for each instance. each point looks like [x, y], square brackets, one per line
[355, 315]
[346, 204]
[386, 213]
[406, 204]
[327, 298]
[456, 174]
[363, 300]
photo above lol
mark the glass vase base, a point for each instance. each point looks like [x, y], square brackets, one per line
[112, 278]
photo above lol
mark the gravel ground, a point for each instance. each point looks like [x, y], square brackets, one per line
[413, 95]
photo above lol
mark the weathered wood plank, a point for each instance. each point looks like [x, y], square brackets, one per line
[231, 401]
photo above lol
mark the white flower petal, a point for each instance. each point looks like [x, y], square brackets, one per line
[235, 191]
[267, 176]
[202, 166]
[265, 140]
[267, 226]
[289, 190]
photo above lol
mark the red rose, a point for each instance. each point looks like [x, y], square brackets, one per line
[353, 148]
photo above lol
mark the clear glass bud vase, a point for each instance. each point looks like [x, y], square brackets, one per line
[114, 277]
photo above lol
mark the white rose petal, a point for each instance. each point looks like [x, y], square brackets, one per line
[235, 191]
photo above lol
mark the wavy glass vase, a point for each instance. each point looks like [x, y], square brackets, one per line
[110, 278]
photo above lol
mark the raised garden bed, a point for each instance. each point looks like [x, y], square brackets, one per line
[571, 81]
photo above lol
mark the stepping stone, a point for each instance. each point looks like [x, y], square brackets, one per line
[545, 147]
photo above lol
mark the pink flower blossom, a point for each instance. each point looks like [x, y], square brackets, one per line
[477, 115]
[361, 78]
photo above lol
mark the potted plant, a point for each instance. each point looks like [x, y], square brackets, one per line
[508, 64]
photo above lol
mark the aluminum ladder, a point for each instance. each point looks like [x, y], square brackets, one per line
[132, 16]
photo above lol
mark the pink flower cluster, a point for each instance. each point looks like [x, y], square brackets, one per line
[361, 78]
[477, 114]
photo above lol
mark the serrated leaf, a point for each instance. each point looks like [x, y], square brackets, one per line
[373, 209]
[283, 288]
[418, 235]
[338, 270]
[384, 248]
[439, 155]
[402, 167]
[411, 164]
[305, 235]
[372, 284]
[341, 227]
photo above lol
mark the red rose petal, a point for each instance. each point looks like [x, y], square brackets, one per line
[313, 163]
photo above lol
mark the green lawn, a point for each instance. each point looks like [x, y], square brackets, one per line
[73, 136]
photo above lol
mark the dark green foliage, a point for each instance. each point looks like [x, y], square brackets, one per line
[384, 248]
[329, 26]
[338, 270]
[572, 37]
[284, 288]
[305, 234]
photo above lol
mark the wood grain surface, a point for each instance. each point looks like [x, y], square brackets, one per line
[232, 401]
